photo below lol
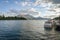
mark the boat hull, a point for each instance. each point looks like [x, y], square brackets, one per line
[48, 28]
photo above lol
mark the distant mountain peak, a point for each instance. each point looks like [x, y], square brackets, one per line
[27, 16]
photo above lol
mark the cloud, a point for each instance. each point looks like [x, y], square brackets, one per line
[6, 1]
[57, 10]
[16, 2]
[38, 7]
[30, 11]
[51, 14]
[23, 3]
[51, 7]
[37, 2]
[54, 1]
[10, 14]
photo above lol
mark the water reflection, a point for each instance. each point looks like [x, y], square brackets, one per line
[26, 30]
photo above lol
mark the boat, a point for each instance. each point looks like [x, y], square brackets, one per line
[57, 28]
[48, 25]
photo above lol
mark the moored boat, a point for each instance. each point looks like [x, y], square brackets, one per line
[57, 25]
[48, 25]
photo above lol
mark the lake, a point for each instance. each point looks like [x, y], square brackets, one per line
[26, 30]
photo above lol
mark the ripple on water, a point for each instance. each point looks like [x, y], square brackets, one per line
[26, 30]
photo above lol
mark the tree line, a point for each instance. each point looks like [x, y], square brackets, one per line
[12, 18]
[57, 18]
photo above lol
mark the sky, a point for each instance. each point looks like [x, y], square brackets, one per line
[36, 8]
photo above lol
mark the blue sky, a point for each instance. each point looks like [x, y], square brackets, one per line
[43, 8]
[6, 5]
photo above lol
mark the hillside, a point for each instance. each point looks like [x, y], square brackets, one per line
[29, 17]
[57, 18]
[12, 18]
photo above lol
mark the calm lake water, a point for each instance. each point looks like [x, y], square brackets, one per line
[26, 30]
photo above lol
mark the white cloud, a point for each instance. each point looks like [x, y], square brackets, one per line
[51, 14]
[57, 10]
[37, 2]
[50, 7]
[32, 9]
[52, 10]
[10, 14]
[24, 3]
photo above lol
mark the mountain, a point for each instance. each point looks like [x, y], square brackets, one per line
[29, 17]
[40, 18]
[57, 18]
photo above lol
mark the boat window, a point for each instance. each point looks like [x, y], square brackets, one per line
[48, 22]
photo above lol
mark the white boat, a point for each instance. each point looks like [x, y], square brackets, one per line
[52, 24]
[58, 23]
[48, 25]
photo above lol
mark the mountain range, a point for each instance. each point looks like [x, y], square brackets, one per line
[30, 17]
